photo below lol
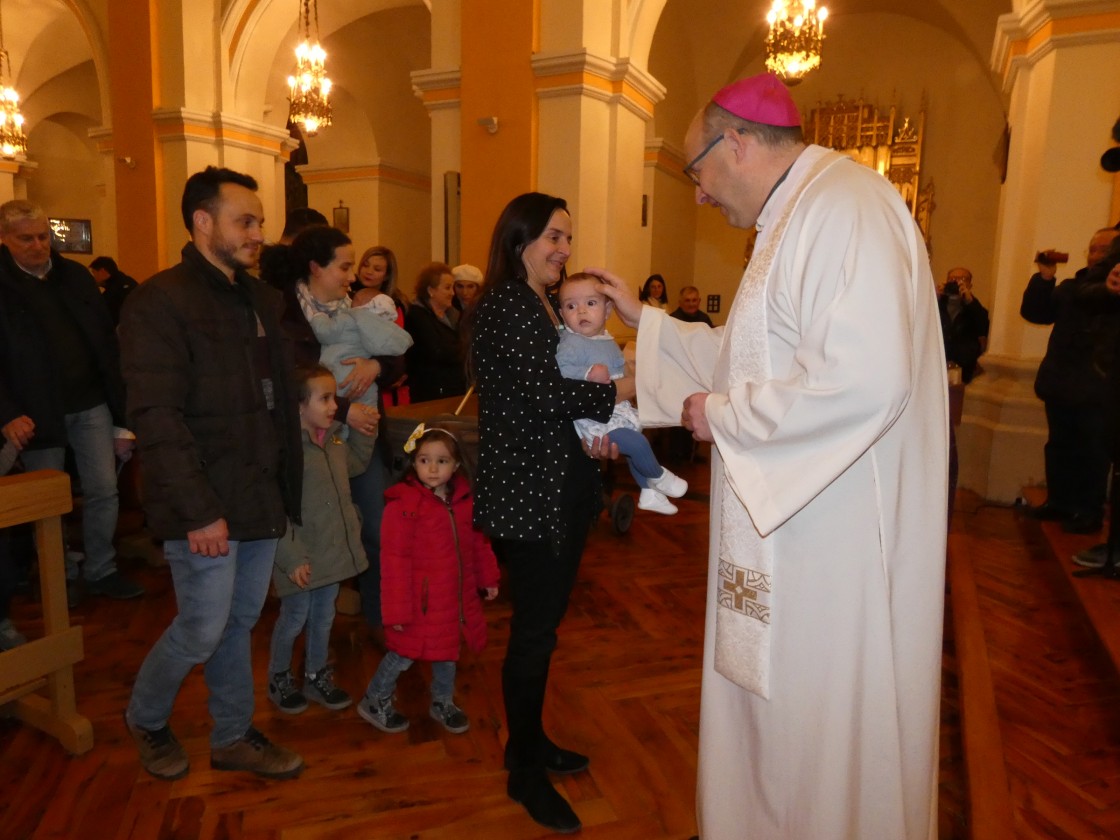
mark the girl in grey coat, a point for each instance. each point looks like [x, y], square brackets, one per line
[312, 558]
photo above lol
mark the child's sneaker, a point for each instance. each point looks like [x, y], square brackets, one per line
[320, 687]
[380, 713]
[650, 499]
[453, 718]
[283, 692]
[671, 485]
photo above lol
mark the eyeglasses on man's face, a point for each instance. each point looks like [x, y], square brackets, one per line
[690, 170]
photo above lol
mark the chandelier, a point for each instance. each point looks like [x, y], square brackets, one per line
[309, 88]
[13, 143]
[793, 47]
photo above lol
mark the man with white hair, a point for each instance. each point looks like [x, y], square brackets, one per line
[60, 385]
[826, 400]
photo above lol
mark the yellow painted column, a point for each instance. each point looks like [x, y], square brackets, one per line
[133, 82]
[498, 41]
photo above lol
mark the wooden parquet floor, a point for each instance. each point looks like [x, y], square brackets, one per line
[1057, 691]
[625, 690]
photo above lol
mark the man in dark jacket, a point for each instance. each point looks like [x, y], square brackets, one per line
[1072, 384]
[964, 321]
[115, 284]
[211, 400]
[60, 385]
[688, 307]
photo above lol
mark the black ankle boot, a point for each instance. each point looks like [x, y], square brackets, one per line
[560, 761]
[548, 808]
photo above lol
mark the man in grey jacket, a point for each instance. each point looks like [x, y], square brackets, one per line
[210, 398]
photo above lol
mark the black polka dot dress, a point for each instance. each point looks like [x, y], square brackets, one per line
[529, 452]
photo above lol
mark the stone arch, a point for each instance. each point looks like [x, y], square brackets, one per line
[53, 37]
[95, 37]
[258, 36]
[377, 155]
[642, 18]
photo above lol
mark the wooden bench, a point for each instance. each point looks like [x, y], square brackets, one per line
[37, 679]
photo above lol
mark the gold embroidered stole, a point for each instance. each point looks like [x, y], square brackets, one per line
[745, 577]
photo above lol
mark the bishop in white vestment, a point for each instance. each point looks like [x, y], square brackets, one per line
[826, 398]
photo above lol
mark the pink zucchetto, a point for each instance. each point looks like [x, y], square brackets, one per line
[761, 99]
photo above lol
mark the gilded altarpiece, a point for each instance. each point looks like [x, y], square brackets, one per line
[874, 138]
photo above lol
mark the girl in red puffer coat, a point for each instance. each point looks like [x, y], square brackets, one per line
[434, 565]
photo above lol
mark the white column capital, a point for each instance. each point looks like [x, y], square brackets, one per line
[437, 89]
[608, 79]
[1037, 27]
[176, 124]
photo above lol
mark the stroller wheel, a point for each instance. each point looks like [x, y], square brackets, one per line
[622, 513]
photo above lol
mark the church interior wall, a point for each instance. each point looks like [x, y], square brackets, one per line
[1059, 130]
[387, 153]
[379, 127]
[499, 83]
[887, 59]
[625, 248]
[672, 218]
[68, 181]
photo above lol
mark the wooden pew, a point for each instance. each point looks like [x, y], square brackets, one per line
[37, 679]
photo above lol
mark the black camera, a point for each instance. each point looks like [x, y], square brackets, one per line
[952, 288]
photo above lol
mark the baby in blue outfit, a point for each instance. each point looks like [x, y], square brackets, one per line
[587, 351]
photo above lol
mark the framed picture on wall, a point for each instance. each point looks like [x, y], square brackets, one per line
[341, 218]
[71, 236]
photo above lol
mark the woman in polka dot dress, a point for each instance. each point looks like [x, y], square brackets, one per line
[537, 491]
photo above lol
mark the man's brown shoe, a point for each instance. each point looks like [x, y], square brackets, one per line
[255, 753]
[161, 754]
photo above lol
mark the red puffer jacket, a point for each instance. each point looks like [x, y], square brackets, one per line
[433, 562]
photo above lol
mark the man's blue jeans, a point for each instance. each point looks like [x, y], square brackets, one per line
[368, 492]
[90, 434]
[310, 608]
[219, 600]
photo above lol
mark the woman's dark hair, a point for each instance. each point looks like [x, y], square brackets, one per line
[643, 295]
[389, 285]
[522, 222]
[315, 244]
[428, 279]
[299, 220]
[303, 376]
[436, 433]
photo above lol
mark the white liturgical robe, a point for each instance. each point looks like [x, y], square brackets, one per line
[828, 405]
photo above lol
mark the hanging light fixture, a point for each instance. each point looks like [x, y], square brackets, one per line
[793, 47]
[13, 142]
[309, 88]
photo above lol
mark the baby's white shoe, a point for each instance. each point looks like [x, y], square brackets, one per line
[671, 485]
[651, 499]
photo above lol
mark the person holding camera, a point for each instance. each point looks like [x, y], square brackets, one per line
[1072, 384]
[964, 321]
